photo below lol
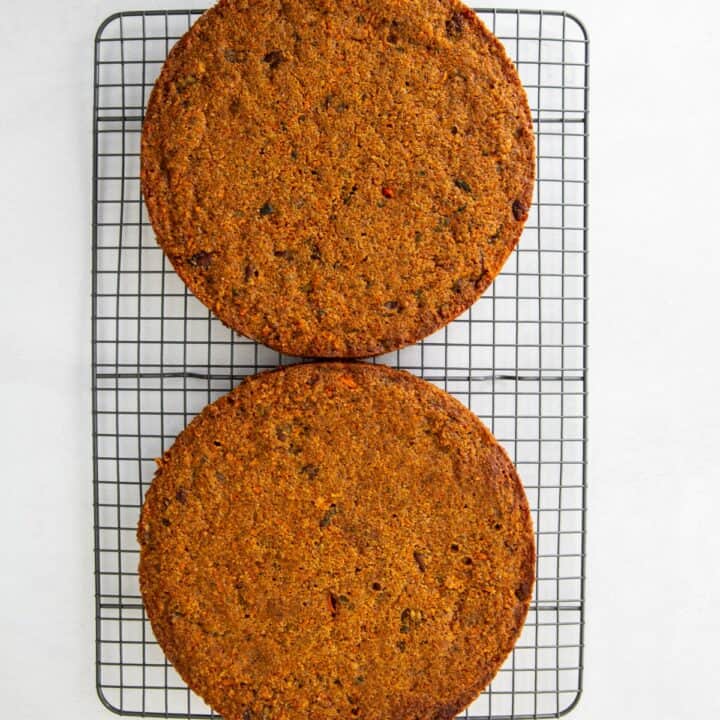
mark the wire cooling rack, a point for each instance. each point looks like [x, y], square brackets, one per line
[517, 358]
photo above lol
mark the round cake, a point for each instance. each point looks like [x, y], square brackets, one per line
[336, 540]
[338, 178]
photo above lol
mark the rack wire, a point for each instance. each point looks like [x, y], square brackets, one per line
[518, 358]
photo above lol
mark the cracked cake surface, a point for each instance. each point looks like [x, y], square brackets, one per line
[336, 540]
[338, 178]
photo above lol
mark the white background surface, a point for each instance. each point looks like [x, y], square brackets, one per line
[654, 538]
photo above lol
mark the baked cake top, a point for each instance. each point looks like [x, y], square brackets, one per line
[338, 178]
[336, 541]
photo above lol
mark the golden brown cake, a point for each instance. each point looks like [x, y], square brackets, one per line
[338, 178]
[336, 540]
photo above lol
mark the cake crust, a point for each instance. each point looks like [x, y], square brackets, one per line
[336, 540]
[338, 178]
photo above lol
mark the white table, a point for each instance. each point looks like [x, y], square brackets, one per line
[653, 543]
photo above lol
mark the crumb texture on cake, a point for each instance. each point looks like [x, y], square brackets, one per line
[336, 540]
[338, 178]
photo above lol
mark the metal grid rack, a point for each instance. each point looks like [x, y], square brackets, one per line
[517, 358]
